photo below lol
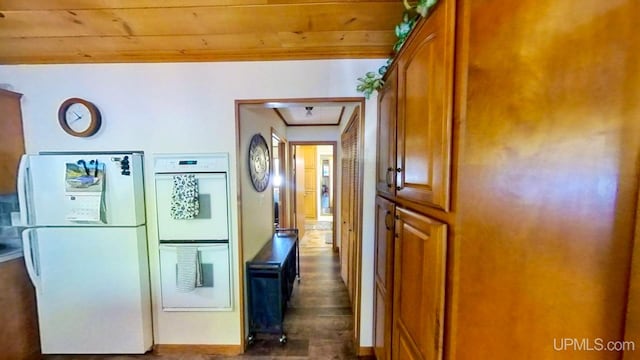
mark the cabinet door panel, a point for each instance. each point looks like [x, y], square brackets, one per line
[419, 276]
[380, 317]
[405, 350]
[387, 107]
[425, 107]
[385, 211]
[11, 139]
[383, 301]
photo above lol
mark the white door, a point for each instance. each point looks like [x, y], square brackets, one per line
[212, 222]
[92, 289]
[215, 292]
[49, 204]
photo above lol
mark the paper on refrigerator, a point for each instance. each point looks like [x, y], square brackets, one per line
[84, 192]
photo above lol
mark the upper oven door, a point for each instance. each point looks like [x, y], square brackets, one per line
[212, 222]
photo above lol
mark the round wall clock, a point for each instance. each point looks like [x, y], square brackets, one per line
[79, 117]
[259, 162]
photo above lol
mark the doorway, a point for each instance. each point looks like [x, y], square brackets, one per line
[279, 183]
[314, 180]
[281, 122]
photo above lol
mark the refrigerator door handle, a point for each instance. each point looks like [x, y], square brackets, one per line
[22, 190]
[28, 250]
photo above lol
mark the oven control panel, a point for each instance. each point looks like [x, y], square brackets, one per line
[191, 163]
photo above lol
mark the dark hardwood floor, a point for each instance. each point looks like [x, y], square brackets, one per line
[318, 321]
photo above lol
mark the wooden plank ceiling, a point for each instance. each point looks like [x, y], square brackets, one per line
[92, 31]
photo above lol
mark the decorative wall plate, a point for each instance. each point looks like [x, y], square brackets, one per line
[259, 162]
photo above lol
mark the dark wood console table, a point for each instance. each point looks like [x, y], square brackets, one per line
[270, 278]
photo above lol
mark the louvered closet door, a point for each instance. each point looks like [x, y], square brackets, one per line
[355, 214]
[345, 211]
[349, 200]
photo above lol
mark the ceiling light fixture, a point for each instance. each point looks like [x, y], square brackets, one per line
[308, 108]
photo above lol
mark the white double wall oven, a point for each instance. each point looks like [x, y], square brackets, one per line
[207, 232]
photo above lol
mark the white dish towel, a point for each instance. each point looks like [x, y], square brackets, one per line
[184, 197]
[189, 271]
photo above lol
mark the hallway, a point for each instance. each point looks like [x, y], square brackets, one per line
[318, 321]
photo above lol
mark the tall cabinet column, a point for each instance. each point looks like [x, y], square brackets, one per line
[18, 320]
[516, 132]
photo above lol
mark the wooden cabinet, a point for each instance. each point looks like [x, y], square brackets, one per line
[525, 181]
[414, 168]
[383, 264]
[386, 155]
[19, 330]
[419, 279]
[11, 139]
[19, 325]
[424, 112]
[415, 115]
[410, 267]
[538, 239]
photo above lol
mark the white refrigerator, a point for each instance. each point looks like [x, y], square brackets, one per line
[85, 250]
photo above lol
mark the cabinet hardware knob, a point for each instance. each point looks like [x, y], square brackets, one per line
[399, 169]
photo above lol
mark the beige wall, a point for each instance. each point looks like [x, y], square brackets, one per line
[257, 207]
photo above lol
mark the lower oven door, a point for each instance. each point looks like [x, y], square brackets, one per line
[215, 290]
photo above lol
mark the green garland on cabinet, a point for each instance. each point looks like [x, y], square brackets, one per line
[421, 6]
[371, 81]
